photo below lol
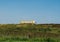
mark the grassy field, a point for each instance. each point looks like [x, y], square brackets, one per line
[29, 39]
[29, 33]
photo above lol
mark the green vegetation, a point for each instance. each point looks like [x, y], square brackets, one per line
[30, 33]
[17, 39]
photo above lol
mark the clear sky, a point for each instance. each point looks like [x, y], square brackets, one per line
[42, 11]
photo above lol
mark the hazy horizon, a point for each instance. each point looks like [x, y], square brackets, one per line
[42, 11]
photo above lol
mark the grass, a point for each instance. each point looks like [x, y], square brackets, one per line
[17, 39]
[12, 33]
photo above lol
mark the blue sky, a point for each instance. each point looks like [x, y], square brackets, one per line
[42, 11]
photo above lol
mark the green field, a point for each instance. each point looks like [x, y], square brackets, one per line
[30, 33]
[17, 39]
